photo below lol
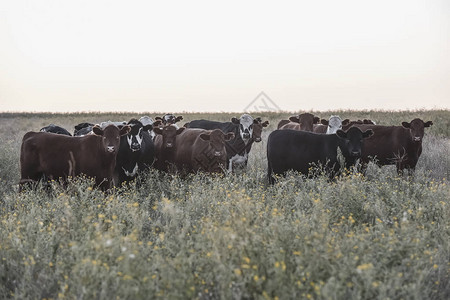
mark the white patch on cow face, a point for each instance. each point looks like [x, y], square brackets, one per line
[110, 149]
[133, 172]
[246, 127]
[334, 124]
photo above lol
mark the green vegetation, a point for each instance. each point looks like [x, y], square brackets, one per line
[229, 237]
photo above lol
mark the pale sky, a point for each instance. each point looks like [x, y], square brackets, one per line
[174, 56]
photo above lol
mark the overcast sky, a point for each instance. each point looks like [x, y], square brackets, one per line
[173, 56]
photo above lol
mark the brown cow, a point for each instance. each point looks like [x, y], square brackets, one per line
[395, 145]
[165, 142]
[201, 150]
[56, 156]
[258, 126]
[303, 122]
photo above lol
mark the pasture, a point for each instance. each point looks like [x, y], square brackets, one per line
[378, 236]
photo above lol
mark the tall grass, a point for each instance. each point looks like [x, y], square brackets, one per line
[230, 237]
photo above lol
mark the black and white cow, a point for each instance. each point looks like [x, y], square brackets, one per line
[146, 120]
[169, 119]
[245, 134]
[298, 150]
[83, 129]
[55, 129]
[136, 152]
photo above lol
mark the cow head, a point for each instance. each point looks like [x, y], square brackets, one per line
[245, 123]
[169, 134]
[417, 129]
[352, 141]
[135, 136]
[258, 126]
[111, 136]
[169, 119]
[306, 121]
[216, 139]
[334, 124]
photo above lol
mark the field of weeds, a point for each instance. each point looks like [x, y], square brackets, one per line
[229, 237]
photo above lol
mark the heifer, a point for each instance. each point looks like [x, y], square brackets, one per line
[201, 150]
[136, 152]
[330, 126]
[165, 142]
[169, 119]
[298, 150]
[55, 129]
[55, 156]
[395, 145]
[246, 131]
[303, 122]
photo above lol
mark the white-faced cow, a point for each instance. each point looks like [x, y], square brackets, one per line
[53, 156]
[299, 150]
[246, 131]
[136, 152]
[52, 128]
[330, 126]
[169, 119]
[395, 145]
[304, 122]
[200, 150]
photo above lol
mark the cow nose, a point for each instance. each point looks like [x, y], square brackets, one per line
[110, 149]
[217, 153]
[169, 145]
[417, 138]
[356, 153]
[246, 135]
[135, 147]
[258, 139]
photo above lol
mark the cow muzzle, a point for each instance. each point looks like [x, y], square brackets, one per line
[258, 139]
[217, 153]
[355, 153]
[110, 149]
[417, 139]
[246, 135]
[135, 147]
[169, 145]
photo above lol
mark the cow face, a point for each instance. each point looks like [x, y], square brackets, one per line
[169, 134]
[111, 136]
[353, 141]
[216, 139]
[245, 127]
[306, 121]
[334, 124]
[417, 129]
[169, 119]
[135, 136]
[258, 125]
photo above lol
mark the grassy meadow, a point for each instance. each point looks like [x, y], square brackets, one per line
[378, 236]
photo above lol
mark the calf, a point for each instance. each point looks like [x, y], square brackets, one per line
[329, 126]
[201, 150]
[395, 145]
[55, 129]
[299, 150]
[303, 122]
[136, 152]
[246, 131]
[54, 156]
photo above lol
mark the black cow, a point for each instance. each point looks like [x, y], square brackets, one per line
[298, 150]
[55, 129]
[246, 131]
[136, 152]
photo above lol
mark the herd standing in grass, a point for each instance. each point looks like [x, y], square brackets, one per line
[210, 146]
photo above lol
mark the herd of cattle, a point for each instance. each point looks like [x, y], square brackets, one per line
[116, 152]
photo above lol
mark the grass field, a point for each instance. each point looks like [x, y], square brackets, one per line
[229, 237]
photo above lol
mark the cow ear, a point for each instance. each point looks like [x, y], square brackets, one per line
[257, 120]
[316, 120]
[428, 124]
[324, 122]
[205, 137]
[147, 127]
[157, 130]
[265, 124]
[235, 120]
[345, 122]
[341, 133]
[406, 124]
[229, 136]
[367, 133]
[179, 118]
[294, 119]
[125, 130]
[180, 130]
[97, 130]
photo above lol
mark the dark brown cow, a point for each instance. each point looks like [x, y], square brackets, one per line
[258, 126]
[165, 142]
[53, 156]
[201, 150]
[304, 122]
[395, 145]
